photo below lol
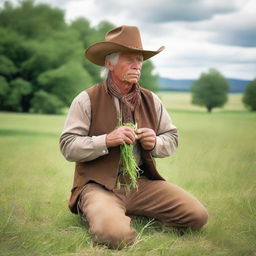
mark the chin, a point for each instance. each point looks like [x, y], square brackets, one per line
[133, 81]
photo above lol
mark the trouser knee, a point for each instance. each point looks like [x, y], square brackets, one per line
[199, 218]
[193, 218]
[114, 236]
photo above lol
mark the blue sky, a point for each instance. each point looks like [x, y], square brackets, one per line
[198, 34]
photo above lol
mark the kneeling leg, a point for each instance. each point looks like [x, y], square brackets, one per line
[106, 217]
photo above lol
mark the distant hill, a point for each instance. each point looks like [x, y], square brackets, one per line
[183, 85]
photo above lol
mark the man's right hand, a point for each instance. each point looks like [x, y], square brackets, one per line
[121, 135]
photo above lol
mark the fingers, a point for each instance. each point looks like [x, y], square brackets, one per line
[121, 135]
[145, 132]
[125, 134]
[130, 133]
[147, 138]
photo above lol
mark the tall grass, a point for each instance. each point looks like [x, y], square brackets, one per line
[216, 161]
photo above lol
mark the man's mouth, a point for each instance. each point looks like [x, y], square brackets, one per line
[133, 74]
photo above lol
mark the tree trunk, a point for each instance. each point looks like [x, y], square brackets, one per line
[209, 109]
[25, 103]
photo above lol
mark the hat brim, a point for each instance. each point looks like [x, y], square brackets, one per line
[97, 52]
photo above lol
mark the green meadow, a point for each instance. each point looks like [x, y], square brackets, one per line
[215, 161]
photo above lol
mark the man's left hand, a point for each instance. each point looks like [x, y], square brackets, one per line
[147, 138]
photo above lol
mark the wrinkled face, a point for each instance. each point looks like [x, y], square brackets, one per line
[128, 68]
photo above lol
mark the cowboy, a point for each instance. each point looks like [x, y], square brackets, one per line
[92, 137]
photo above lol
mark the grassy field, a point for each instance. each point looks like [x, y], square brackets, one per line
[216, 161]
[182, 101]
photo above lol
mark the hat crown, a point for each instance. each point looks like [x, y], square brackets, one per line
[128, 36]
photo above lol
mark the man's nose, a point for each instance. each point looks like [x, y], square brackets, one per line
[136, 65]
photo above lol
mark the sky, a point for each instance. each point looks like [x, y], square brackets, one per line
[197, 34]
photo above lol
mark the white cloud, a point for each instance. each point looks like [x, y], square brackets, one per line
[237, 28]
[95, 12]
[187, 59]
[170, 10]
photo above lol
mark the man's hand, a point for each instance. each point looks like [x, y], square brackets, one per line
[121, 135]
[147, 138]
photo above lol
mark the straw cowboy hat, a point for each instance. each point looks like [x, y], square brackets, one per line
[124, 38]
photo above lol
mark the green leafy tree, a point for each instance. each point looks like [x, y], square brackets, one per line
[13, 51]
[7, 67]
[58, 81]
[4, 86]
[210, 90]
[35, 40]
[85, 31]
[249, 97]
[148, 79]
[41, 56]
[32, 21]
[18, 89]
[89, 35]
[44, 102]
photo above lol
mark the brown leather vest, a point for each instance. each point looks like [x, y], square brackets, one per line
[104, 170]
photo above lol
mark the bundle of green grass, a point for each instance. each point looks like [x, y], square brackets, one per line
[129, 164]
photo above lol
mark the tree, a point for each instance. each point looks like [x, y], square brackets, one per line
[84, 29]
[32, 21]
[58, 81]
[249, 97]
[87, 36]
[18, 90]
[39, 52]
[210, 90]
[7, 67]
[4, 86]
[42, 63]
[148, 79]
[44, 102]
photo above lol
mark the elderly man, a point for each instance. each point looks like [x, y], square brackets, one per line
[92, 137]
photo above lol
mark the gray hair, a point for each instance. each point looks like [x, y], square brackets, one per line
[113, 59]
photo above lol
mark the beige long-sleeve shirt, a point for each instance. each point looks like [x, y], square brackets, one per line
[77, 146]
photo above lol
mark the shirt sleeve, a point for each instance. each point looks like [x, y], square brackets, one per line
[75, 144]
[167, 134]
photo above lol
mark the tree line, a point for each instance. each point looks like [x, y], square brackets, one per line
[42, 63]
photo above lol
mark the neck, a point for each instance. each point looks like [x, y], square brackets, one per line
[124, 86]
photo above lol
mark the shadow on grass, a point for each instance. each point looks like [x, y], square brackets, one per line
[17, 132]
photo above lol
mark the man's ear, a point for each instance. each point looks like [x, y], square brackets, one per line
[108, 65]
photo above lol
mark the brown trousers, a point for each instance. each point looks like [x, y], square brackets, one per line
[106, 211]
